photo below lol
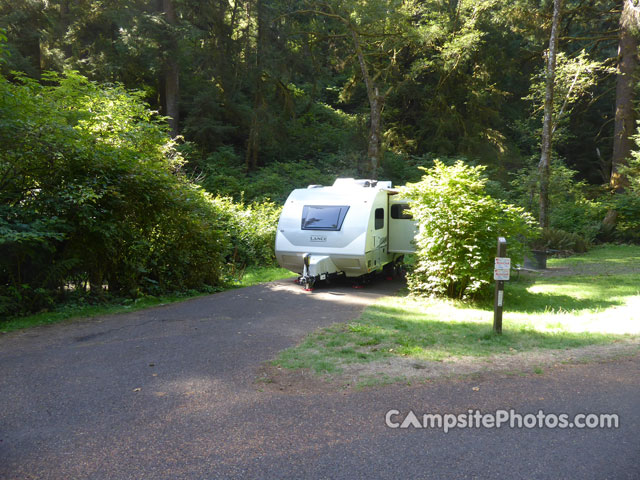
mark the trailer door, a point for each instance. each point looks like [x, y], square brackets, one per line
[402, 227]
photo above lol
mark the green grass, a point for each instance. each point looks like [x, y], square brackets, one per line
[256, 275]
[540, 312]
[74, 311]
[608, 259]
[252, 276]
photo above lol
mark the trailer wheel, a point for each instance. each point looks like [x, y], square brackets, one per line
[401, 270]
[389, 271]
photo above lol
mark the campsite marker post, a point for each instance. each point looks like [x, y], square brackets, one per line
[500, 275]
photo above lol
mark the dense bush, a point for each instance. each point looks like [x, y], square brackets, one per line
[459, 224]
[251, 230]
[556, 239]
[92, 194]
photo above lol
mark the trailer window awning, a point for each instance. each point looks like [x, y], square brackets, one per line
[323, 217]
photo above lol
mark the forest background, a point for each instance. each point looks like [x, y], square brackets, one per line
[258, 97]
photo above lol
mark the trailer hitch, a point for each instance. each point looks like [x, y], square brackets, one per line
[306, 280]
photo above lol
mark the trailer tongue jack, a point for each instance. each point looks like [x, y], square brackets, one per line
[315, 268]
[306, 280]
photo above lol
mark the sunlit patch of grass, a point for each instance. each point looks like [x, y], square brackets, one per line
[255, 275]
[556, 312]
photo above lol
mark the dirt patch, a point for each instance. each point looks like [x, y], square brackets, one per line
[403, 369]
[299, 381]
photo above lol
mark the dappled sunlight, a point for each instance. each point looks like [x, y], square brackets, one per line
[618, 316]
[191, 394]
[577, 295]
[192, 385]
[584, 291]
[339, 294]
[543, 313]
[553, 313]
[417, 309]
[620, 319]
[615, 321]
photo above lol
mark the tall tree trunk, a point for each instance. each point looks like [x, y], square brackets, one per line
[547, 125]
[625, 121]
[376, 103]
[30, 38]
[253, 142]
[35, 53]
[171, 74]
[374, 149]
[65, 22]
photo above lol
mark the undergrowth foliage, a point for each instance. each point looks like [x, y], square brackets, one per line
[93, 201]
[577, 208]
[251, 230]
[459, 224]
[627, 203]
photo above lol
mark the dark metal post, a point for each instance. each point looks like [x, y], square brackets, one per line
[499, 293]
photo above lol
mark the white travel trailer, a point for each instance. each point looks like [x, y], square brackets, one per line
[352, 228]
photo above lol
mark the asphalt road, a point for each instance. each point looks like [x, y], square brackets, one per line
[171, 393]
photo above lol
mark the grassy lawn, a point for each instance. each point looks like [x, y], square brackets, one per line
[583, 300]
[251, 276]
[81, 310]
[256, 275]
[607, 259]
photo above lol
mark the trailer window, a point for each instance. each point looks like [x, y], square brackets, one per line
[400, 211]
[379, 218]
[318, 217]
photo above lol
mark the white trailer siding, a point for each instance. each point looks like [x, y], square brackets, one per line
[344, 228]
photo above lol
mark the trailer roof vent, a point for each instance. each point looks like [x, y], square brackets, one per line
[366, 183]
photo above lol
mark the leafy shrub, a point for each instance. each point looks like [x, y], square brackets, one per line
[222, 173]
[458, 229]
[251, 230]
[190, 245]
[92, 194]
[556, 239]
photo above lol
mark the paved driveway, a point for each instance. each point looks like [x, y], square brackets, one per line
[170, 392]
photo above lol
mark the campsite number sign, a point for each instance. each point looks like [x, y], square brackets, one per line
[500, 275]
[502, 268]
